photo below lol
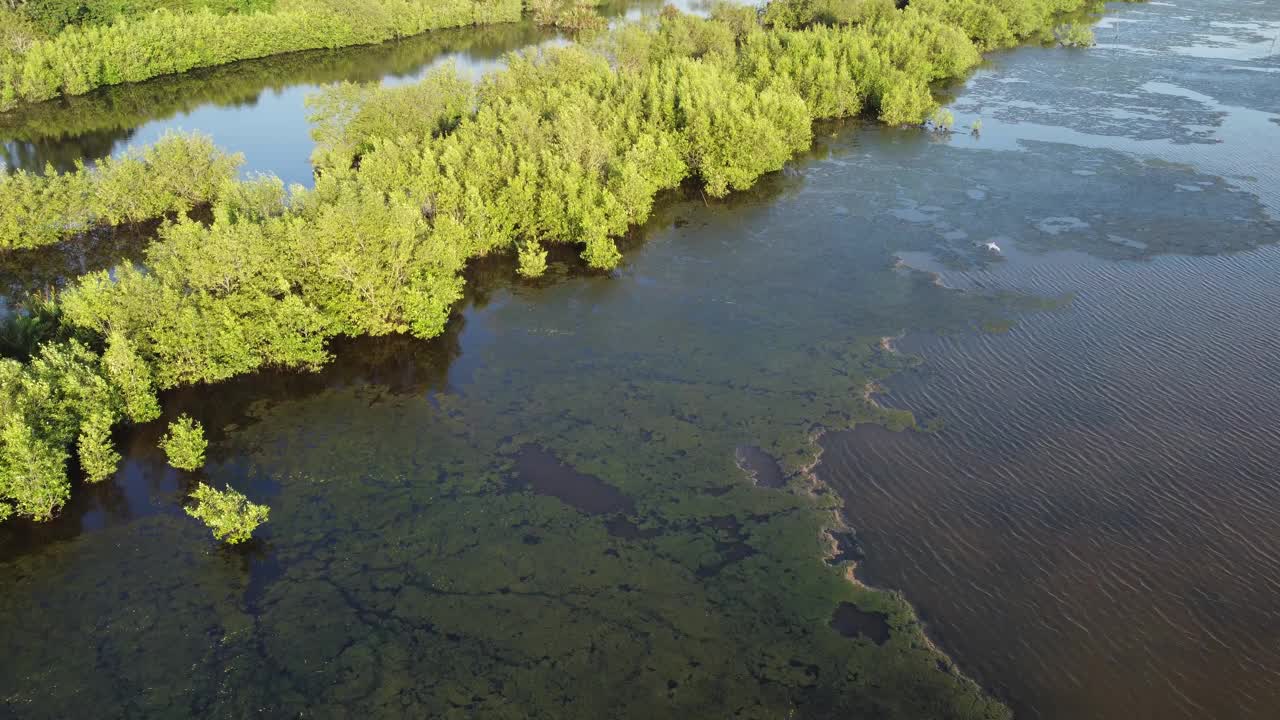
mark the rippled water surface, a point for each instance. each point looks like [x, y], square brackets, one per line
[1094, 529]
[589, 498]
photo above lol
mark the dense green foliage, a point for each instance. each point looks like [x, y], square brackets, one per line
[54, 15]
[81, 58]
[184, 444]
[1001, 23]
[101, 119]
[805, 13]
[567, 14]
[228, 513]
[348, 116]
[990, 24]
[566, 146]
[175, 175]
[66, 395]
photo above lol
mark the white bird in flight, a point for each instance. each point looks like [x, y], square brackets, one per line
[992, 247]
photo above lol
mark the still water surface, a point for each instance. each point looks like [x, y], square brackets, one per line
[556, 487]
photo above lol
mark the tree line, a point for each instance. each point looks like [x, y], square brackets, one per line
[566, 145]
[143, 41]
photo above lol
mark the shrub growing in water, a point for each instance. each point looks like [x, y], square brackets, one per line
[533, 259]
[62, 398]
[567, 14]
[942, 120]
[1075, 34]
[184, 444]
[228, 513]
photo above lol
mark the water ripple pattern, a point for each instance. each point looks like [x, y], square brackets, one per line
[1171, 83]
[1104, 487]
[1094, 528]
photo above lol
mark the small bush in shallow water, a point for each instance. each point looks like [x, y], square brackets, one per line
[228, 513]
[567, 14]
[184, 444]
[533, 259]
[1075, 35]
[942, 120]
